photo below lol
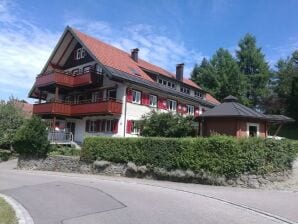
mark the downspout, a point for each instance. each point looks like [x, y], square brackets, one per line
[125, 109]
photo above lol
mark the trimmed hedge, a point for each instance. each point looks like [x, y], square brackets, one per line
[219, 155]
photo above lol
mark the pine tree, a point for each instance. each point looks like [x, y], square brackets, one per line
[252, 64]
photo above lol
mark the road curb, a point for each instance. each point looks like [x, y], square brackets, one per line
[21, 213]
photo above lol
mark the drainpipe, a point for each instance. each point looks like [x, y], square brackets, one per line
[125, 109]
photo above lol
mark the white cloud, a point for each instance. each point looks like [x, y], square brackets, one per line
[25, 47]
[24, 50]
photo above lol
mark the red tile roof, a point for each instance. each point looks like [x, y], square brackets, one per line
[121, 60]
[211, 99]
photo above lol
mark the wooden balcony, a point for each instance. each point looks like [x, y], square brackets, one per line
[65, 79]
[76, 110]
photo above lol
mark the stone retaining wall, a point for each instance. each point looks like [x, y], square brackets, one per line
[74, 165]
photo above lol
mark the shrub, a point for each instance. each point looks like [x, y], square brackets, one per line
[217, 155]
[175, 125]
[32, 138]
[5, 154]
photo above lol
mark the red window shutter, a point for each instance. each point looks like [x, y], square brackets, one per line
[87, 125]
[115, 126]
[145, 99]
[179, 107]
[162, 103]
[128, 126]
[129, 95]
[184, 109]
[197, 113]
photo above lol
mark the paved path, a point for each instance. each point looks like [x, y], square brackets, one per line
[52, 198]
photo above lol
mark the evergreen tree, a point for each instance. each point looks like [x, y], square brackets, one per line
[252, 64]
[231, 80]
[220, 76]
[204, 75]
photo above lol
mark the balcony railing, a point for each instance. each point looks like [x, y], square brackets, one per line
[67, 79]
[108, 106]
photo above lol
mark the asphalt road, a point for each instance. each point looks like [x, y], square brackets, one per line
[52, 197]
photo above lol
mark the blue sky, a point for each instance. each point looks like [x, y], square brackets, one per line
[167, 32]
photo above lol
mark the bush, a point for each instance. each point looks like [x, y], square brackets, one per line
[218, 155]
[5, 154]
[175, 125]
[32, 138]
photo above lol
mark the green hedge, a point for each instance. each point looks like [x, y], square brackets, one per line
[219, 155]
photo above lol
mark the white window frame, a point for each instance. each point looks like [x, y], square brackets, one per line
[172, 105]
[152, 100]
[80, 53]
[190, 109]
[255, 125]
[185, 90]
[198, 94]
[134, 129]
[136, 97]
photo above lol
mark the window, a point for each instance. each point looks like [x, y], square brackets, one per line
[80, 53]
[184, 90]
[172, 105]
[190, 109]
[198, 94]
[97, 96]
[136, 96]
[252, 130]
[167, 83]
[90, 126]
[112, 94]
[153, 101]
[135, 128]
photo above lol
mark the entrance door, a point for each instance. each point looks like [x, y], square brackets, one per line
[71, 127]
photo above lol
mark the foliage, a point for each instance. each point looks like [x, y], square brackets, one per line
[5, 154]
[7, 214]
[221, 76]
[252, 64]
[219, 155]
[64, 151]
[157, 124]
[31, 139]
[11, 118]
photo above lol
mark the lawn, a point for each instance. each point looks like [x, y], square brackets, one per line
[7, 214]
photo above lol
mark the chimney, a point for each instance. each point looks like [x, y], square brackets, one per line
[179, 72]
[134, 54]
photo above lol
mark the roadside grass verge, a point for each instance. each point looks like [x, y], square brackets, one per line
[7, 214]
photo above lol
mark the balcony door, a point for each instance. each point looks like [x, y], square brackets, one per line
[112, 94]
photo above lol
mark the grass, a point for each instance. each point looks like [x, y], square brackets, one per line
[7, 214]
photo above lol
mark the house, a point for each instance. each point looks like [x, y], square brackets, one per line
[235, 119]
[88, 87]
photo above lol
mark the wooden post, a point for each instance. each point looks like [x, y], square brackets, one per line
[57, 94]
[54, 123]
[278, 129]
[39, 97]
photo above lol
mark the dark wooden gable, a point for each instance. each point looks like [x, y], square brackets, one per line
[72, 62]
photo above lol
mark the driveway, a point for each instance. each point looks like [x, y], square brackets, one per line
[52, 197]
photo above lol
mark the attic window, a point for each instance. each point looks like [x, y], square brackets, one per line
[80, 53]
